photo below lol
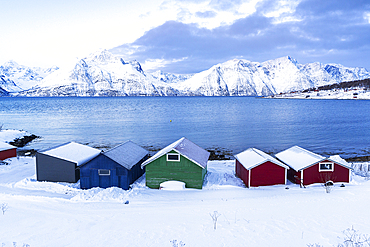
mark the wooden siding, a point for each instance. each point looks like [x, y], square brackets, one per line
[54, 169]
[266, 174]
[9, 153]
[312, 174]
[161, 170]
[119, 175]
[242, 173]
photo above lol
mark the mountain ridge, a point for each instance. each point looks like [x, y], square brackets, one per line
[104, 74]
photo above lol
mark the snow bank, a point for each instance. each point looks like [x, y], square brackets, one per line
[112, 194]
[172, 185]
[221, 174]
[361, 168]
[7, 135]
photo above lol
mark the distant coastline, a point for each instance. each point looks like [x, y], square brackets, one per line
[332, 94]
[359, 89]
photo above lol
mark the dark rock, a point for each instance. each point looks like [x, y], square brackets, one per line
[23, 141]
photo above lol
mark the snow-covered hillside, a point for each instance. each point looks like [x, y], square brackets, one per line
[104, 74]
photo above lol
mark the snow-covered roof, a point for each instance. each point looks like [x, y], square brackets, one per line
[5, 146]
[127, 154]
[73, 152]
[299, 158]
[339, 160]
[186, 148]
[253, 157]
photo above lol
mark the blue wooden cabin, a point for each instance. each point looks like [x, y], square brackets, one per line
[119, 167]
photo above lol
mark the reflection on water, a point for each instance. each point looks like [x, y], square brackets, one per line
[234, 123]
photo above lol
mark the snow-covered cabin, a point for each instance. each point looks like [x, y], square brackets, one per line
[256, 168]
[7, 151]
[180, 161]
[62, 163]
[309, 168]
[119, 167]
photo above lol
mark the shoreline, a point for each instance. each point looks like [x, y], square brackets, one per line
[216, 152]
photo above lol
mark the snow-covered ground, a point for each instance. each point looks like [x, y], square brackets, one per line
[61, 214]
[327, 94]
[8, 135]
[36, 213]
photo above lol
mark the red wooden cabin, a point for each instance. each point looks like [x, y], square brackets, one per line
[7, 151]
[309, 168]
[257, 168]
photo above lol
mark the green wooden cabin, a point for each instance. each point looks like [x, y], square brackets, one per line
[180, 161]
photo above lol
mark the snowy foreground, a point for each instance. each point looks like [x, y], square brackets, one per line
[60, 214]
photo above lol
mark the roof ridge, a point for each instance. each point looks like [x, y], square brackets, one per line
[178, 142]
[57, 146]
[308, 151]
[117, 146]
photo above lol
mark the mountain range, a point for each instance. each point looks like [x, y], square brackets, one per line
[105, 74]
[15, 77]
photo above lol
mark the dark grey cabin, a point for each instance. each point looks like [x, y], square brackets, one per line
[119, 167]
[62, 163]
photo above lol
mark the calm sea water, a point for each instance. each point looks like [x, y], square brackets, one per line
[234, 123]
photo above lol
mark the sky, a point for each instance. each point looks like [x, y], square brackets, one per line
[185, 36]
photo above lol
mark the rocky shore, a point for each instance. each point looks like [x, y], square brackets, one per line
[216, 153]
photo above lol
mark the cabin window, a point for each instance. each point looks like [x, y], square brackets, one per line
[104, 172]
[326, 167]
[173, 157]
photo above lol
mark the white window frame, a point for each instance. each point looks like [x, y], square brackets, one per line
[104, 174]
[178, 155]
[326, 170]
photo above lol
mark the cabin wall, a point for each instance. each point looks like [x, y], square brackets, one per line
[49, 168]
[313, 175]
[266, 174]
[136, 171]
[90, 174]
[161, 170]
[9, 153]
[119, 176]
[242, 173]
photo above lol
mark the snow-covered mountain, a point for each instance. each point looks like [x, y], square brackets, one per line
[101, 74]
[244, 78]
[15, 77]
[104, 74]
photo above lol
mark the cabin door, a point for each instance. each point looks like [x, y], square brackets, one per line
[104, 178]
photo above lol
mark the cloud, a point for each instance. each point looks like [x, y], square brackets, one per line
[155, 64]
[206, 14]
[330, 31]
[225, 4]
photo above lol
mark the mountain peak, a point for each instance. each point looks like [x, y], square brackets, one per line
[101, 56]
[288, 59]
[11, 63]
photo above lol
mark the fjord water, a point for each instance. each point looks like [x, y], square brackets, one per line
[234, 123]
